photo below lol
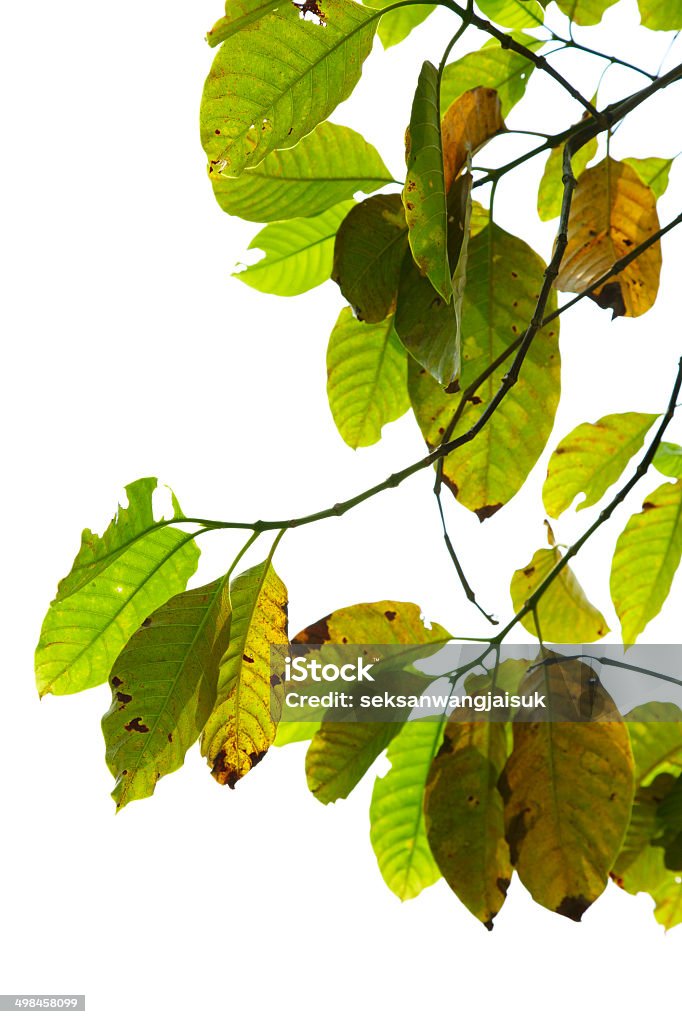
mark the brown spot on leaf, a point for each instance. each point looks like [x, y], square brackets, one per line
[116, 682]
[647, 506]
[274, 680]
[247, 659]
[573, 907]
[122, 698]
[318, 633]
[452, 388]
[516, 833]
[390, 615]
[486, 511]
[147, 622]
[136, 725]
[475, 400]
[503, 885]
[170, 737]
[256, 757]
[529, 570]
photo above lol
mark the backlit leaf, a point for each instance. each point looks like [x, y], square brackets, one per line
[465, 815]
[551, 189]
[116, 581]
[239, 14]
[468, 123]
[327, 166]
[298, 253]
[397, 25]
[503, 277]
[396, 812]
[295, 732]
[585, 12]
[513, 13]
[656, 739]
[653, 170]
[662, 15]
[424, 192]
[366, 378]
[566, 616]
[276, 79]
[668, 459]
[241, 727]
[591, 458]
[568, 790]
[163, 689]
[646, 559]
[612, 212]
[505, 71]
[368, 254]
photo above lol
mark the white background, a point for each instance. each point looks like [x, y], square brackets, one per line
[130, 351]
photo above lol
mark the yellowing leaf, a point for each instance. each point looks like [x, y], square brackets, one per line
[424, 192]
[163, 688]
[551, 189]
[396, 812]
[465, 815]
[503, 275]
[646, 559]
[276, 79]
[591, 458]
[585, 12]
[568, 790]
[368, 254]
[468, 123]
[241, 727]
[566, 616]
[116, 581]
[613, 211]
[326, 167]
[366, 378]
[661, 15]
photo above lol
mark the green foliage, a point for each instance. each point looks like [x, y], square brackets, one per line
[452, 315]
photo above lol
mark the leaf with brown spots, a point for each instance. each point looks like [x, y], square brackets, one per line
[163, 689]
[241, 727]
[565, 614]
[568, 789]
[613, 211]
[465, 815]
[499, 301]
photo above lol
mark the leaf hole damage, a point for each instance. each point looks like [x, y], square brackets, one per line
[311, 7]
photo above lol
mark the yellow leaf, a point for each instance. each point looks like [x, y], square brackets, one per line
[613, 211]
[565, 614]
[468, 124]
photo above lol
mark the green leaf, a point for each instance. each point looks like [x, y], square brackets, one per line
[397, 25]
[327, 166]
[116, 581]
[656, 740]
[239, 14]
[566, 616]
[591, 458]
[568, 791]
[276, 79]
[646, 559]
[661, 15]
[369, 251]
[585, 12]
[298, 253]
[513, 13]
[366, 378]
[396, 812]
[505, 71]
[669, 821]
[654, 171]
[424, 192]
[428, 327]
[668, 459]
[503, 277]
[163, 689]
[465, 815]
[340, 753]
[241, 727]
[551, 189]
[295, 732]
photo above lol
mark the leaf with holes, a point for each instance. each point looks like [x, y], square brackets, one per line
[368, 253]
[551, 189]
[278, 78]
[591, 458]
[298, 253]
[396, 812]
[503, 274]
[366, 378]
[424, 192]
[568, 790]
[613, 212]
[163, 688]
[646, 558]
[493, 67]
[564, 612]
[241, 727]
[116, 581]
[465, 815]
[326, 167]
